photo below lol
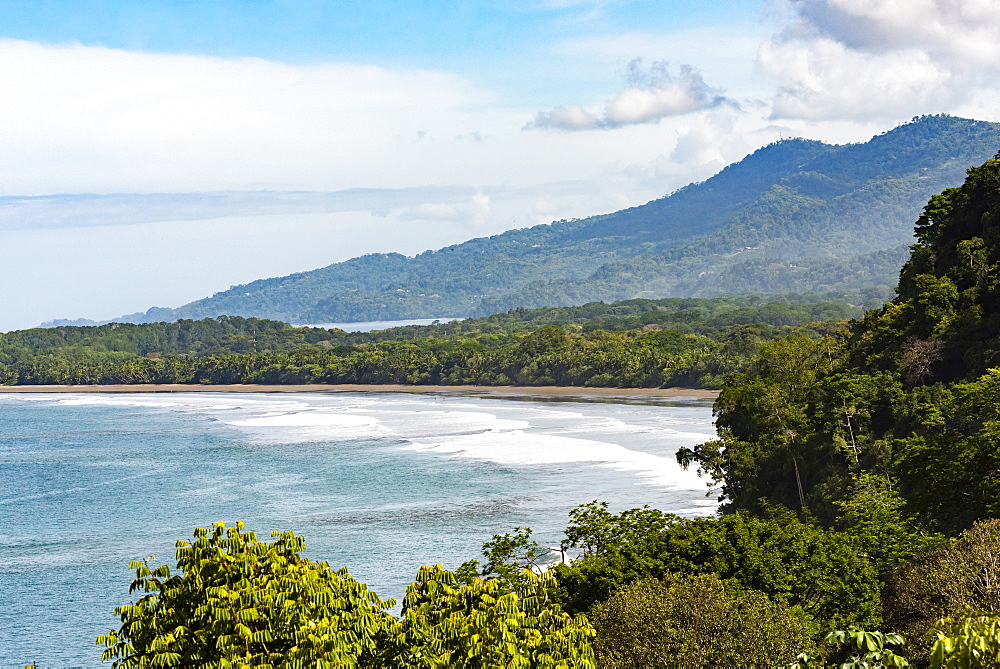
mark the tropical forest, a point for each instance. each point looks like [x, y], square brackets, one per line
[856, 465]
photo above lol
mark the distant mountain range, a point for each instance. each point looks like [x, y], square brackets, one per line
[795, 216]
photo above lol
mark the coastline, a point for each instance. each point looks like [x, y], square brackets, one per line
[550, 391]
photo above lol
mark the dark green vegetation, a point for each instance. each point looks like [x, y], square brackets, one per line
[794, 563]
[891, 430]
[696, 621]
[795, 216]
[638, 343]
[910, 393]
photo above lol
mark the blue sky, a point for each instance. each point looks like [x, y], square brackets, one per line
[445, 121]
[428, 34]
[491, 42]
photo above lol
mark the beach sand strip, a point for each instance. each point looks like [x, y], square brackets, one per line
[551, 391]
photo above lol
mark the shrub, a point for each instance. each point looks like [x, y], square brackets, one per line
[697, 621]
[948, 582]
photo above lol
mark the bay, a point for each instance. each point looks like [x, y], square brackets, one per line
[379, 482]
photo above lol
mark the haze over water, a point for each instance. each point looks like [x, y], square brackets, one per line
[379, 482]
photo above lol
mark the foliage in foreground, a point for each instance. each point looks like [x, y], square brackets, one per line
[697, 621]
[711, 591]
[489, 623]
[241, 602]
[855, 648]
[792, 562]
[947, 583]
[965, 642]
[245, 602]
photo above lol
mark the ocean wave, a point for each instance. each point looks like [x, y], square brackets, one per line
[426, 423]
[517, 447]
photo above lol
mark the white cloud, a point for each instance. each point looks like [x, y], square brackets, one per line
[80, 119]
[882, 59]
[573, 117]
[700, 145]
[473, 213]
[966, 30]
[87, 119]
[654, 93]
[93, 119]
[824, 79]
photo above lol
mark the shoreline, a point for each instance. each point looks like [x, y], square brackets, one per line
[549, 391]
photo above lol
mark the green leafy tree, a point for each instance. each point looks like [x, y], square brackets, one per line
[953, 473]
[792, 562]
[963, 576]
[967, 641]
[874, 515]
[909, 394]
[509, 556]
[242, 602]
[689, 621]
[764, 450]
[239, 602]
[855, 648]
[486, 623]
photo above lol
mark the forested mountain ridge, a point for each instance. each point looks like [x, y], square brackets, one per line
[795, 215]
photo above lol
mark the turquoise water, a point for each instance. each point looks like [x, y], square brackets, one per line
[379, 482]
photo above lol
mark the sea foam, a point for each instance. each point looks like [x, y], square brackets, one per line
[517, 447]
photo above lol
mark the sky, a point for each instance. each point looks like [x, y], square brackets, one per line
[153, 152]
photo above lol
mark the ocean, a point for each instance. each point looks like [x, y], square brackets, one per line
[379, 482]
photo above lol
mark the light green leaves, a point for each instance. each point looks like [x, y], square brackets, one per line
[239, 602]
[972, 641]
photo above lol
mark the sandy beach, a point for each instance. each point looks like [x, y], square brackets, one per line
[551, 391]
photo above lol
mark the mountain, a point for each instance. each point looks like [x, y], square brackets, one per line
[797, 215]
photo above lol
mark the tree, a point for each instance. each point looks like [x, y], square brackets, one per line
[690, 621]
[873, 515]
[964, 576]
[871, 650]
[792, 562]
[240, 602]
[967, 641]
[952, 475]
[508, 556]
[487, 623]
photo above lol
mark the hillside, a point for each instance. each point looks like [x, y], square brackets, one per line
[798, 215]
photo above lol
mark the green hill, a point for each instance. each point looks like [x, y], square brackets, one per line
[798, 215]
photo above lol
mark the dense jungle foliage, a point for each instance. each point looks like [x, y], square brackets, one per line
[796, 216]
[890, 431]
[638, 343]
[910, 393]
